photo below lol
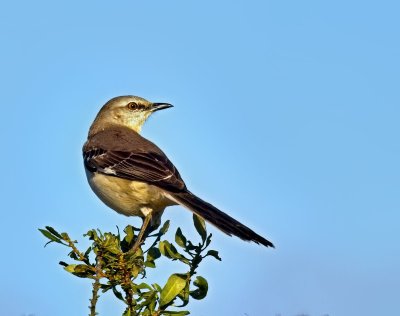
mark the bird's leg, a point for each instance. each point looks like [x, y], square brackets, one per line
[138, 241]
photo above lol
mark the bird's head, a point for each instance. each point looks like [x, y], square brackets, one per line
[130, 111]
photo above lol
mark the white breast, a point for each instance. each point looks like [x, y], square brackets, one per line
[131, 198]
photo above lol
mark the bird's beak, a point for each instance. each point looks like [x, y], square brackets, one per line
[160, 106]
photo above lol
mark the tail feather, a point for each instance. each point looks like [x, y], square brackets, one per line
[221, 220]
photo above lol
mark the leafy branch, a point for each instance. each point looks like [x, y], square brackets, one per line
[112, 265]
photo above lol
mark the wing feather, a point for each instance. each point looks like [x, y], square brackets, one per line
[150, 168]
[121, 152]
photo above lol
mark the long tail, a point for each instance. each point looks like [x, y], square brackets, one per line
[218, 218]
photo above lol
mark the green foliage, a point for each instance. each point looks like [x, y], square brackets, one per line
[113, 265]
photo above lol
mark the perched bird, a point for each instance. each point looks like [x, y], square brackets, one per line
[134, 177]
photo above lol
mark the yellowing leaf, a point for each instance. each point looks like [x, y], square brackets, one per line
[175, 284]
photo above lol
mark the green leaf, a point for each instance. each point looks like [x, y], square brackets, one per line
[87, 252]
[136, 270]
[172, 251]
[153, 254]
[169, 251]
[200, 225]
[92, 234]
[70, 268]
[190, 246]
[175, 313]
[53, 231]
[164, 228]
[156, 287]
[214, 254]
[175, 284]
[117, 294]
[105, 287]
[83, 270]
[202, 288]
[130, 234]
[208, 241]
[111, 244]
[127, 312]
[65, 236]
[180, 239]
[80, 270]
[143, 285]
[161, 246]
[150, 264]
[73, 255]
[50, 236]
[184, 295]
[149, 301]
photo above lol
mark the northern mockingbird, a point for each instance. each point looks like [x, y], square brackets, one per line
[134, 177]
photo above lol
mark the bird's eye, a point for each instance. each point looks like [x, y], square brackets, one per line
[135, 106]
[132, 105]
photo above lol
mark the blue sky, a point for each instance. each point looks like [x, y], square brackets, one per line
[286, 116]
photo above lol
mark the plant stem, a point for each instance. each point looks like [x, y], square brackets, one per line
[126, 284]
[96, 285]
[95, 296]
[74, 249]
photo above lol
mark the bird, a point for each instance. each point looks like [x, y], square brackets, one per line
[134, 177]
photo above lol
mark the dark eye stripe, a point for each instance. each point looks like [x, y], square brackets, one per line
[136, 106]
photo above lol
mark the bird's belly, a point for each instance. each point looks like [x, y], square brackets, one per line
[131, 198]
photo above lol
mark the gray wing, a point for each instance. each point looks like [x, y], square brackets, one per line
[123, 153]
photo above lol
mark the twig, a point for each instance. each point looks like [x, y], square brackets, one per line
[71, 244]
[96, 285]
